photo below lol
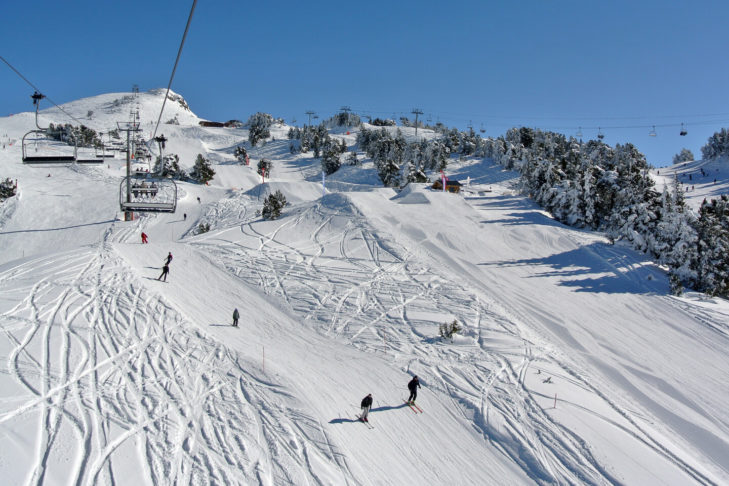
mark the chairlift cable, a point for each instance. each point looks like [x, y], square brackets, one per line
[40, 91]
[172, 76]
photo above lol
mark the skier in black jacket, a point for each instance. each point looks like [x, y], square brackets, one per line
[413, 386]
[165, 271]
[366, 405]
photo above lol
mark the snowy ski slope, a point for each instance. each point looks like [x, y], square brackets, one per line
[574, 366]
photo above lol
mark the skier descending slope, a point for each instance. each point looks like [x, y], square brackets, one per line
[366, 405]
[165, 271]
[413, 386]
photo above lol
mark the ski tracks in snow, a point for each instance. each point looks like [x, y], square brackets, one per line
[350, 283]
[111, 374]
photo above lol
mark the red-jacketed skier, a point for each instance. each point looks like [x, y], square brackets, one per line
[366, 405]
[413, 386]
[144, 237]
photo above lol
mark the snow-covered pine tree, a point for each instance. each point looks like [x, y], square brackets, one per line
[264, 164]
[684, 156]
[240, 153]
[202, 171]
[717, 145]
[675, 242]
[712, 264]
[259, 125]
[171, 167]
[330, 162]
[352, 158]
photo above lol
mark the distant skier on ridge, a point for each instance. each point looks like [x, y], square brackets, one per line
[413, 386]
[236, 316]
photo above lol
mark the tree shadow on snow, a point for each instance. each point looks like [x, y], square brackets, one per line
[603, 268]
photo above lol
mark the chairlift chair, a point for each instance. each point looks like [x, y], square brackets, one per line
[38, 147]
[579, 133]
[683, 131]
[152, 195]
[45, 149]
[653, 133]
[600, 135]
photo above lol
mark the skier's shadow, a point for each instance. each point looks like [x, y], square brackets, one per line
[385, 408]
[343, 421]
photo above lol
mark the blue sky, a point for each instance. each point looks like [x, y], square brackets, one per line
[557, 65]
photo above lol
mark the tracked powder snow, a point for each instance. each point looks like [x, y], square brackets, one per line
[574, 366]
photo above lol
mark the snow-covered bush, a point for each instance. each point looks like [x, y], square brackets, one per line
[447, 330]
[272, 205]
[7, 189]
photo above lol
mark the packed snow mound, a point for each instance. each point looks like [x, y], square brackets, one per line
[412, 194]
[294, 192]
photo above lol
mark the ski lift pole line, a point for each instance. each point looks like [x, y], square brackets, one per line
[174, 68]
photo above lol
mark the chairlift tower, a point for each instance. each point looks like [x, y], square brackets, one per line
[128, 127]
[416, 112]
[309, 112]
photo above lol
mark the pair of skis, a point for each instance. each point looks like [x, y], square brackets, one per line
[414, 407]
[366, 422]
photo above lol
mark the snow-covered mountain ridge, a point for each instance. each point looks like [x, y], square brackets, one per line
[574, 365]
